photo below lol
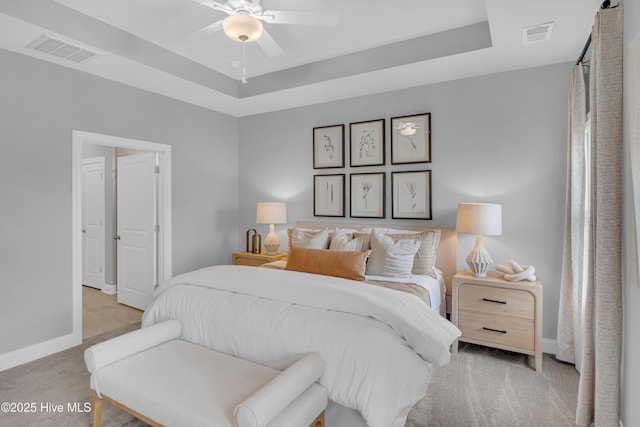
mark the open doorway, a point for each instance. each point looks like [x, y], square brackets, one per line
[147, 169]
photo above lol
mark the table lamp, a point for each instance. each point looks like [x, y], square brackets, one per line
[271, 213]
[481, 219]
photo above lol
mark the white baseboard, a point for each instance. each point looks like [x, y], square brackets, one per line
[549, 346]
[37, 351]
[109, 289]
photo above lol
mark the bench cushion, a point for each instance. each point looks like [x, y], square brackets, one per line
[179, 383]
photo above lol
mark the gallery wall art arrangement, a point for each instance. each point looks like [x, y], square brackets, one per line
[410, 189]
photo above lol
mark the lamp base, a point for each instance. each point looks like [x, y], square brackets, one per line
[271, 242]
[479, 259]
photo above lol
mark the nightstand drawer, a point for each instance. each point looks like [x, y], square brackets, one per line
[486, 299]
[255, 260]
[500, 330]
[252, 262]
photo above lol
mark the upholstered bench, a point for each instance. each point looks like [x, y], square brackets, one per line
[163, 380]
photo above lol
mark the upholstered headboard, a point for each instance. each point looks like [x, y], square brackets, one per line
[445, 253]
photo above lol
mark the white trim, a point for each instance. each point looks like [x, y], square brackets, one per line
[79, 138]
[36, 351]
[549, 346]
[109, 289]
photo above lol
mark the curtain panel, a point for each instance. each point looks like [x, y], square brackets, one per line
[590, 317]
[570, 312]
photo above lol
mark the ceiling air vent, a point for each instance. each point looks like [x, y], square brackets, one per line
[537, 33]
[49, 45]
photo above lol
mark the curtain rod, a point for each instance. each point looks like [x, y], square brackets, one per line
[606, 4]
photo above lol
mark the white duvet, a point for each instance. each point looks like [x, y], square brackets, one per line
[378, 344]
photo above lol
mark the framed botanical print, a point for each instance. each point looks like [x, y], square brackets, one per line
[328, 147]
[411, 194]
[328, 195]
[411, 139]
[367, 195]
[367, 143]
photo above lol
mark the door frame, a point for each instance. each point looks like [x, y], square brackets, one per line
[79, 138]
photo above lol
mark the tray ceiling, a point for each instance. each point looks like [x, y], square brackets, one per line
[377, 45]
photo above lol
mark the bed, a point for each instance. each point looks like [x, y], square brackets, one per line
[379, 344]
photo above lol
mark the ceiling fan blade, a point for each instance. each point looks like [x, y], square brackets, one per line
[269, 45]
[204, 31]
[215, 5]
[325, 19]
[211, 28]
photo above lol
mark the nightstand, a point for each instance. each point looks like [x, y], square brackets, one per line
[255, 260]
[494, 312]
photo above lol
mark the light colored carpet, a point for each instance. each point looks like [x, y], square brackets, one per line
[480, 387]
[102, 313]
[59, 379]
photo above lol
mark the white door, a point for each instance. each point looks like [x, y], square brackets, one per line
[136, 229]
[93, 222]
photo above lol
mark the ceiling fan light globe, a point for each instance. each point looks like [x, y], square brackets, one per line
[242, 28]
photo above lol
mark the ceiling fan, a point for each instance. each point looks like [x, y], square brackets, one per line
[244, 23]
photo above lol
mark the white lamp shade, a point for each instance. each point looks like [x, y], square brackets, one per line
[242, 28]
[271, 213]
[479, 218]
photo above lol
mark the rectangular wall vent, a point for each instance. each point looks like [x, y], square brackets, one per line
[537, 33]
[49, 45]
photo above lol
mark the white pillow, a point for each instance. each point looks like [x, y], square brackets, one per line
[311, 239]
[425, 259]
[398, 231]
[349, 240]
[391, 258]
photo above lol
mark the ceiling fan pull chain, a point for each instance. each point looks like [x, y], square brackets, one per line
[244, 69]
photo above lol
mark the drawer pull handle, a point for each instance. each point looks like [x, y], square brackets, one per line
[494, 300]
[494, 330]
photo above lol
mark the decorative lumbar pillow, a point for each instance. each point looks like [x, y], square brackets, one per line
[389, 257]
[425, 260]
[347, 240]
[305, 238]
[349, 265]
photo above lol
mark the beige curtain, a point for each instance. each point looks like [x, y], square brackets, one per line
[570, 313]
[590, 318]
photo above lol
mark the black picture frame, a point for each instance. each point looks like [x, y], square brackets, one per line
[411, 195]
[328, 147]
[411, 139]
[367, 195]
[328, 195]
[367, 143]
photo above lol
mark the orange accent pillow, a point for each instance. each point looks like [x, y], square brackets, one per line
[346, 264]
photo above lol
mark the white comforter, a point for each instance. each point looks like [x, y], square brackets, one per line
[374, 341]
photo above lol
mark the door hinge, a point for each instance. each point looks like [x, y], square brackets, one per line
[157, 169]
[157, 228]
[100, 269]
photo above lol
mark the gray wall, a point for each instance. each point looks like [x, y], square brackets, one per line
[631, 345]
[499, 138]
[40, 105]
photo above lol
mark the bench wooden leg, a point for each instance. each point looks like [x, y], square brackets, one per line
[97, 410]
[318, 422]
